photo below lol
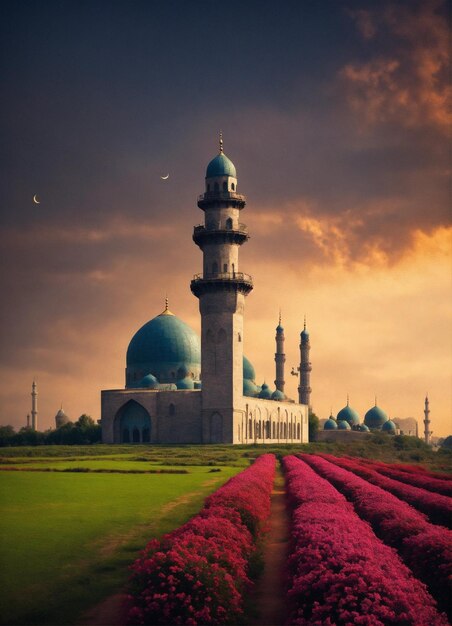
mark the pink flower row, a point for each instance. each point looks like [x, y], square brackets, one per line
[419, 479]
[437, 507]
[339, 571]
[414, 469]
[198, 573]
[425, 548]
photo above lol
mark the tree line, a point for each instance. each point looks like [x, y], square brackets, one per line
[83, 431]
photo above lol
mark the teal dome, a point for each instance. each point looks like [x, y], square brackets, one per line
[248, 369]
[330, 424]
[148, 382]
[221, 166]
[185, 383]
[249, 388]
[304, 334]
[343, 425]
[278, 395]
[375, 418]
[165, 347]
[265, 392]
[279, 329]
[389, 427]
[363, 428]
[349, 415]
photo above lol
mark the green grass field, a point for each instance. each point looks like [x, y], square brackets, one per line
[67, 539]
[68, 536]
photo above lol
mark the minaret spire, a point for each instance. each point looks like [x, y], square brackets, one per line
[427, 432]
[280, 357]
[304, 388]
[34, 406]
[221, 142]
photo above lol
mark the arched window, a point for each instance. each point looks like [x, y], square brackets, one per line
[214, 267]
[298, 430]
[229, 223]
[240, 338]
[216, 187]
[136, 435]
[233, 270]
[250, 427]
[225, 186]
[225, 268]
[146, 435]
[125, 436]
[232, 186]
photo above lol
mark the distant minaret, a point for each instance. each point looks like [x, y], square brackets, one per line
[28, 420]
[34, 407]
[280, 357]
[427, 432]
[304, 390]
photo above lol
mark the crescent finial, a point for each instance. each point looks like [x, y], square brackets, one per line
[221, 142]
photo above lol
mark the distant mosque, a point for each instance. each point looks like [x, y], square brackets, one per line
[183, 389]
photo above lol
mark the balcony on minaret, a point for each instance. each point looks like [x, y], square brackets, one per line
[210, 198]
[216, 234]
[227, 281]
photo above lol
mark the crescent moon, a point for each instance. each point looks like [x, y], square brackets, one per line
[165, 177]
[35, 199]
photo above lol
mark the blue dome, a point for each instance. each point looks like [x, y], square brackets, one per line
[167, 348]
[278, 395]
[248, 369]
[330, 424]
[343, 425]
[389, 427]
[249, 388]
[185, 383]
[363, 428]
[349, 415]
[375, 418]
[304, 334]
[265, 392]
[148, 382]
[221, 166]
[279, 329]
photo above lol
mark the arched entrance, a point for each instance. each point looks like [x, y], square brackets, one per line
[132, 424]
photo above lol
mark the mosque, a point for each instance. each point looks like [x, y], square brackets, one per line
[180, 388]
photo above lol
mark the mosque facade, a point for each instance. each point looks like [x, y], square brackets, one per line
[181, 388]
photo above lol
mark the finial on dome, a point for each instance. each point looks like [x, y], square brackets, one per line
[221, 142]
[348, 400]
[279, 317]
[166, 311]
[375, 400]
[304, 326]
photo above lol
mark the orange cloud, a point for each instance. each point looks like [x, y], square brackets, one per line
[409, 86]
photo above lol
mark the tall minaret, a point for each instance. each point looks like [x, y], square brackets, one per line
[280, 357]
[221, 290]
[427, 432]
[304, 390]
[34, 406]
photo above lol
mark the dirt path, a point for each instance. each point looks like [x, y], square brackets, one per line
[269, 593]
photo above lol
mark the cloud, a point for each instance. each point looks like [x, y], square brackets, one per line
[408, 84]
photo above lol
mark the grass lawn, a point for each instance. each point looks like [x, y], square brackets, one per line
[66, 539]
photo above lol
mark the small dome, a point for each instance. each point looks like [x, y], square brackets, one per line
[185, 383]
[330, 424]
[148, 382]
[375, 418]
[221, 166]
[349, 415]
[389, 427]
[249, 388]
[278, 395]
[343, 425]
[265, 392]
[61, 418]
[304, 334]
[248, 369]
[363, 428]
[279, 329]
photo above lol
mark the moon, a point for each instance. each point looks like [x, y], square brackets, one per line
[35, 199]
[165, 177]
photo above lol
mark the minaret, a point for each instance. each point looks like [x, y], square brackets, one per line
[427, 432]
[304, 390]
[28, 420]
[34, 406]
[221, 290]
[280, 357]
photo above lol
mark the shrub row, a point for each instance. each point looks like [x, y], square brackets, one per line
[339, 571]
[417, 479]
[198, 573]
[437, 507]
[425, 548]
[415, 469]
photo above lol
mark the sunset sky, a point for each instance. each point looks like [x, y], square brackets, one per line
[334, 113]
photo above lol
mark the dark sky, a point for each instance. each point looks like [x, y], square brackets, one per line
[333, 111]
